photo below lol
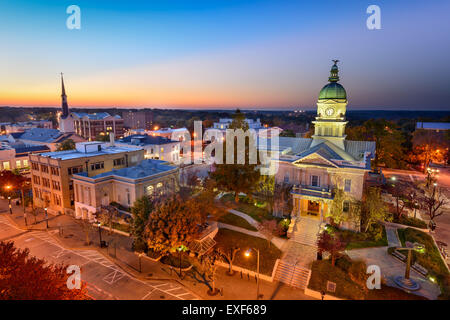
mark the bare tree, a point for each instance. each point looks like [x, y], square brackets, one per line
[432, 202]
[268, 229]
[107, 216]
[229, 255]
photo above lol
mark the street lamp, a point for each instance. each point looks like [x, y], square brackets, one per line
[247, 254]
[100, 233]
[179, 254]
[8, 188]
[46, 216]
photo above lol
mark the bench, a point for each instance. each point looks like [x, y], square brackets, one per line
[420, 269]
[399, 255]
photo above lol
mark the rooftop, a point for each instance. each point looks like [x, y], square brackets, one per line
[94, 116]
[39, 134]
[146, 168]
[433, 125]
[142, 140]
[105, 149]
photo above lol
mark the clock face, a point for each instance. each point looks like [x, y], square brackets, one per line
[329, 111]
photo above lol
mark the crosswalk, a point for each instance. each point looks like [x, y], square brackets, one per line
[110, 279]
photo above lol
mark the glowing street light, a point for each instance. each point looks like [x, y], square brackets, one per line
[247, 254]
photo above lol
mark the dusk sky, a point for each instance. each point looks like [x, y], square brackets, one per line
[224, 54]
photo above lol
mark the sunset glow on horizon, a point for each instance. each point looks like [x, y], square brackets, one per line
[224, 54]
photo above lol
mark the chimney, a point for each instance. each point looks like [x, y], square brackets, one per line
[111, 139]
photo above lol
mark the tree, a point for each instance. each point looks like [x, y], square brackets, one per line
[236, 177]
[432, 201]
[389, 141]
[87, 227]
[401, 192]
[14, 180]
[209, 267]
[68, 144]
[173, 223]
[268, 229]
[108, 215]
[229, 255]
[282, 203]
[141, 211]
[339, 213]
[24, 277]
[102, 137]
[266, 190]
[332, 244]
[374, 209]
[429, 146]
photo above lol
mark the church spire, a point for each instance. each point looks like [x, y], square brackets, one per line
[64, 105]
[334, 72]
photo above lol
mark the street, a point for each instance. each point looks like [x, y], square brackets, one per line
[105, 280]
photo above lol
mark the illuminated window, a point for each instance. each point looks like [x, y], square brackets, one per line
[18, 164]
[6, 165]
[149, 190]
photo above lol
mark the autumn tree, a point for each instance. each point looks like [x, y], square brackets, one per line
[389, 141]
[332, 244]
[68, 144]
[24, 277]
[107, 216]
[140, 211]
[373, 209]
[173, 223]
[429, 146]
[343, 208]
[265, 189]
[236, 177]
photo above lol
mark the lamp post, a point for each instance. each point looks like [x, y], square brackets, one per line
[179, 254]
[8, 188]
[100, 233]
[46, 216]
[247, 254]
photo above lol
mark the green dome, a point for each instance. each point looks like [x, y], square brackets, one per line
[333, 90]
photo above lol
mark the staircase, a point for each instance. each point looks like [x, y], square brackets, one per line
[306, 231]
[292, 275]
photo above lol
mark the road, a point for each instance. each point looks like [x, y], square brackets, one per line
[105, 280]
[443, 177]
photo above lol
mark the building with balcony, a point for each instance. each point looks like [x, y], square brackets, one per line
[153, 178]
[51, 172]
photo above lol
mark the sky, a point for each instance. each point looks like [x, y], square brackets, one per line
[252, 54]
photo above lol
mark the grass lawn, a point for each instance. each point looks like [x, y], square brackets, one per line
[257, 212]
[121, 227]
[268, 255]
[359, 240]
[346, 288]
[430, 259]
[412, 222]
[237, 221]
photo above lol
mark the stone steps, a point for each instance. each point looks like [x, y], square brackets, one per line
[306, 231]
[292, 275]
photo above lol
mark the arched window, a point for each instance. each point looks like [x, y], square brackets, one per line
[149, 190]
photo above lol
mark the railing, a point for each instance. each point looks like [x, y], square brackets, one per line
[312, 191]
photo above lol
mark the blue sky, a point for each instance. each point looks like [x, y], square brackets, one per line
[225, 54]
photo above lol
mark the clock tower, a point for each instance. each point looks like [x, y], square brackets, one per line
[331, 107]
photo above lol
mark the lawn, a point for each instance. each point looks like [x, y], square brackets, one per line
[346, 288]
[237, 221]
[257, 211]
[359, 240]
[268, 255]
[412, 222]
[121, 227]
[430, 259]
